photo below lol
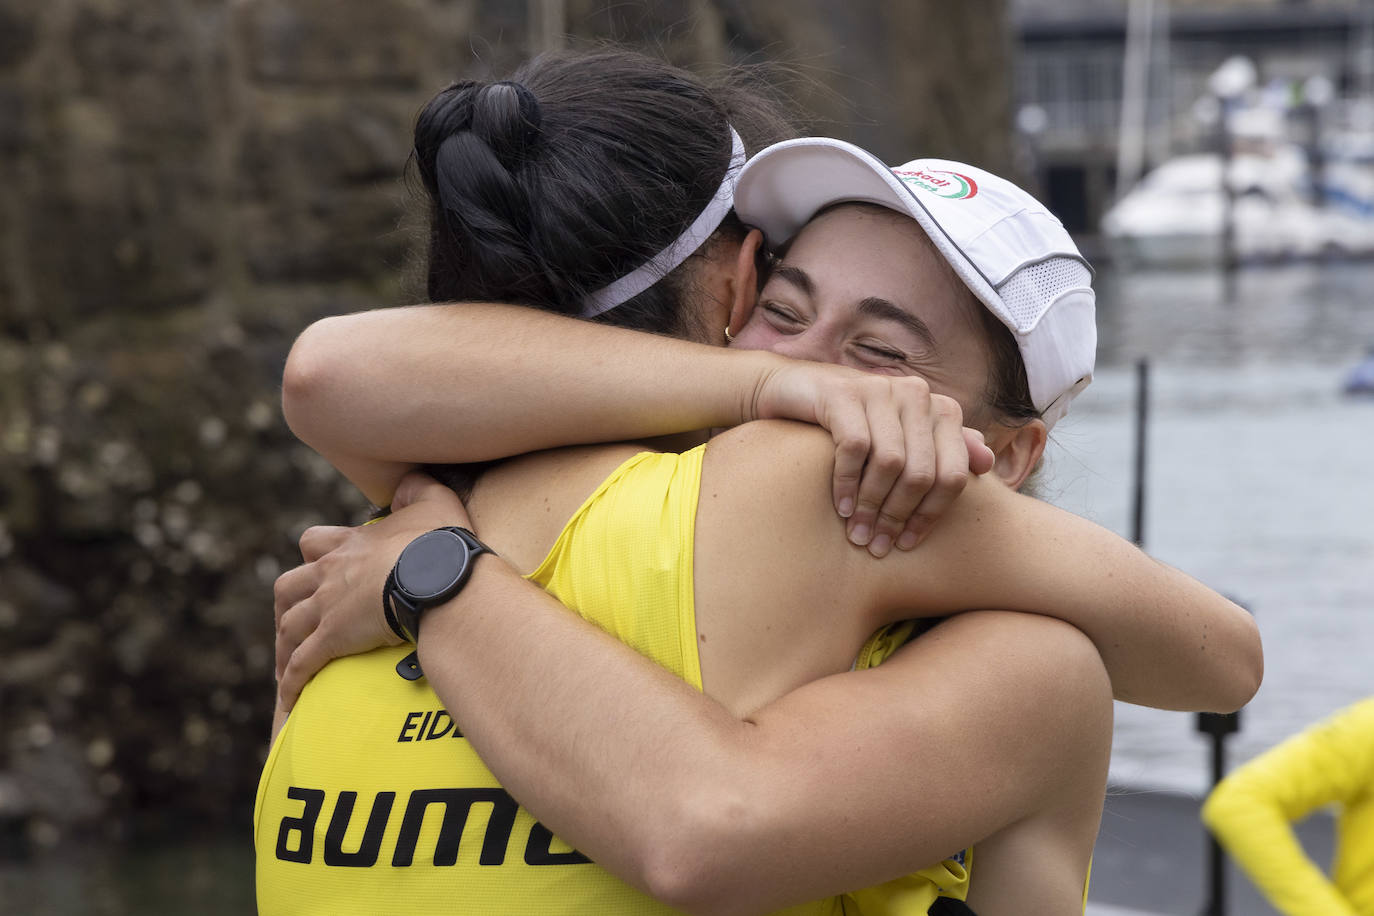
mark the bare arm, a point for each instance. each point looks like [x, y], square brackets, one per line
[375, 392]
[565, 727]
[847, 782]
[1166, 639]
[379, 392]
[672, 793]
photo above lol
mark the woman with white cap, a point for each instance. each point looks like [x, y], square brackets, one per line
[809, 762]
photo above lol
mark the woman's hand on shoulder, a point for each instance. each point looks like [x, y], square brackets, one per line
[331, 605]
[902, 454]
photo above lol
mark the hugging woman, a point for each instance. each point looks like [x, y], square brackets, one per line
[793, 781]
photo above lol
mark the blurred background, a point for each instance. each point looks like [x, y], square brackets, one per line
[188, 183]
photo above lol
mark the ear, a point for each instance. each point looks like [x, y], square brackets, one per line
[745, 281]
[1018, 450]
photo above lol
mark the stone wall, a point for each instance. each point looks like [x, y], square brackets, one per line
[187, 184]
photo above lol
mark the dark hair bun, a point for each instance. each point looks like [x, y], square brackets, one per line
[506, 115]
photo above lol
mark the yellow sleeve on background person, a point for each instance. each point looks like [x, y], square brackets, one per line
[1251, 812]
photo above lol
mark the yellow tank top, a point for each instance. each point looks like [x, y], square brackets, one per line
[371, 801]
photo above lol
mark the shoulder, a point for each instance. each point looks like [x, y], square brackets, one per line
[768, 484]
[773, 476]
[1348, 733]
[779, 455]
[1358, 716]
[802, 440]
[571, 468]
[523, 504]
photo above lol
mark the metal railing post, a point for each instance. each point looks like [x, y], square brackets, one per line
[1215, 725]
[1142, 416]
[1218, 726]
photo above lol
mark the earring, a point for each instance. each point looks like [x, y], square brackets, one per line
[729, 338]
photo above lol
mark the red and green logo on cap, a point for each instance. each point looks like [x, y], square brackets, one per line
[949, 185]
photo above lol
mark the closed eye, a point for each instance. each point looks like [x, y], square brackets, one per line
[781, 315]
[883, 352]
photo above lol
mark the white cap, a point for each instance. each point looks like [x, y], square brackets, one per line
[1012, 253]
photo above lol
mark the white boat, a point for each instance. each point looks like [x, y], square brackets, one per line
[1176, 215]
[1277, 207]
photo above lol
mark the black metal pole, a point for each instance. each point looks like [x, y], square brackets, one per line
[1217, 726]
[1229, 256]
[1216, 858]
[1142, 415]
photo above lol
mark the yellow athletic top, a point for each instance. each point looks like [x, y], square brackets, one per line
[371, 801]
[1251, 812]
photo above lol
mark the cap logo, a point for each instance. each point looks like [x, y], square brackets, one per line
[949, 185]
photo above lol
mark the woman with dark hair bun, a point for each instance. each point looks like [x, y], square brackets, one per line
[547, 187]
[794, 781]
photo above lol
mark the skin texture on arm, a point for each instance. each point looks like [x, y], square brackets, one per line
[793, 459]
[444, 383]
[1252, 811]
[676, 795]
[1166, 639]
[379, 392]
[728, 815]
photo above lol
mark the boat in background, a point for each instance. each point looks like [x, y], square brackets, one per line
[1297, 181]
[1176, 216]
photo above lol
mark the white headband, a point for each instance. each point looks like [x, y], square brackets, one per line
[663, 263]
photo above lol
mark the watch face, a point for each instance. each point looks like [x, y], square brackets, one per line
[431, 565]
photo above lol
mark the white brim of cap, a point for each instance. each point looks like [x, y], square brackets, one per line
[794, 180]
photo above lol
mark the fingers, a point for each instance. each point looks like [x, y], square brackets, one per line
[318, 540]
[295, 626]
[899, 470]
[902, 457]
[302, 664]
[980, 457]
[292, 587]
[437, 499]
[412, 488]
[850, 431]
[951, 475]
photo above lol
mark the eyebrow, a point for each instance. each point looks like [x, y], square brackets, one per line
[797, 277]
[872, 306]
[882, 309]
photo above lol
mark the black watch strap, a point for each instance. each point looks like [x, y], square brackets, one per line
[409, 667]
[387, 609]
[471, 540]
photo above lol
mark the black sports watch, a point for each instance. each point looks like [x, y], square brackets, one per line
[432, 569]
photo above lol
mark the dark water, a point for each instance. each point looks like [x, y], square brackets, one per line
[202, 877]
[1260, 482]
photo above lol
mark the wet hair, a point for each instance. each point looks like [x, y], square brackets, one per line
[544, 188]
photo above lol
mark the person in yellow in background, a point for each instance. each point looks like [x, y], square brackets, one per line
[1252, 811]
